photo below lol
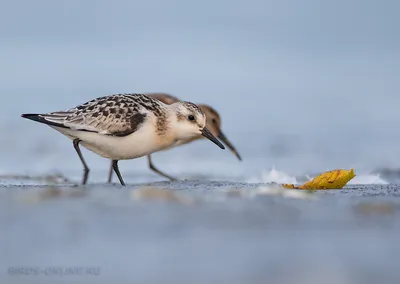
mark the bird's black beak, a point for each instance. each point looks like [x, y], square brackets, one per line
[225, 140]
[206, 133]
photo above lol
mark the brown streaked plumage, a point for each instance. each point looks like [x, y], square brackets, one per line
[213, 123]
[164, 97]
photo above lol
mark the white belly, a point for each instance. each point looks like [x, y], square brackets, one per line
[138, 144]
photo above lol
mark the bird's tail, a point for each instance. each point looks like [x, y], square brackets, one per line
[41, 118]
[33, 116]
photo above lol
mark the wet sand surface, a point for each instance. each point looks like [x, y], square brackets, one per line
[198, 232]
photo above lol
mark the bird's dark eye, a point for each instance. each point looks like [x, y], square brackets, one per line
[191, 117]
[214, 121]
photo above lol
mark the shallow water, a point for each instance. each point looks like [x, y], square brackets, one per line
[199, 232]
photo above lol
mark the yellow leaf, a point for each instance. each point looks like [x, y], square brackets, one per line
[335, 179]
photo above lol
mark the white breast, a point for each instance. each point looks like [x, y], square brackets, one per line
[140, 143]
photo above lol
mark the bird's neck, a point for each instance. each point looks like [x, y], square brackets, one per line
[173, 121]
[164, 127]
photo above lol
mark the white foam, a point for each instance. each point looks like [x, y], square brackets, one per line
[274, 175]
[367, 179]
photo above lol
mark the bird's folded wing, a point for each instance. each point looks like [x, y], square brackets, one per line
[102, 122]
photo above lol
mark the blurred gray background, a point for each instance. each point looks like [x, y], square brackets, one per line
[303, 86]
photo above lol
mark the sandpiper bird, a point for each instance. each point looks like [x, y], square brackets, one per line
[126, 126]
[213, 123]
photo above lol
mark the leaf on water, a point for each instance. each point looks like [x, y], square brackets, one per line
[335, 179]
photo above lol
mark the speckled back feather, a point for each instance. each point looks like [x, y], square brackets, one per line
[118, 115]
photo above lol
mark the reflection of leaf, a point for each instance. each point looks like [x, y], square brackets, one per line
[335, 179]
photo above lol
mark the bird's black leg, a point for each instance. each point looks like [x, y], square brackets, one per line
[110, 173]
[157, 170]
[85, 167]
[116, 170]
